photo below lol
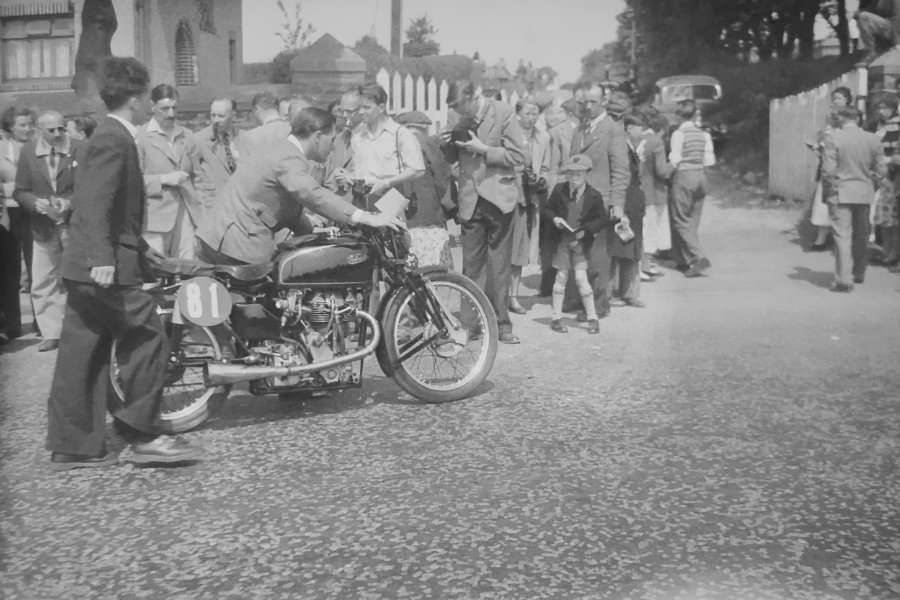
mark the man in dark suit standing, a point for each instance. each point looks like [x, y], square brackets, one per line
[488, 190]
[45, 181]
[102, 268]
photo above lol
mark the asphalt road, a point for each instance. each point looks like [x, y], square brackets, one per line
[737, 439]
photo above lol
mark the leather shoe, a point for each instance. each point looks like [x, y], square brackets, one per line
[165, 449]
[60, 461]
[48, 345]
[698, 267]
[516, 308]
[593, 327]
[859, 279]
[841, 288]
[508, 337]
[636, 303]
[557, 326]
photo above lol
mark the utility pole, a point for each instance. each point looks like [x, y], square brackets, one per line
[397, 27]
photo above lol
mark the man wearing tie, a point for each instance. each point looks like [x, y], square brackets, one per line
[219, 146]
[45, 182]
[485, 139]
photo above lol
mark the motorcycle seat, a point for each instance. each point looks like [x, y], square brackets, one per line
[245, 273]
[194, 268]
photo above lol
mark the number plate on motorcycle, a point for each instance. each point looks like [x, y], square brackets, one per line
[204, 301]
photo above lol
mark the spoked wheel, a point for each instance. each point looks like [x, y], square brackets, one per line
[187, 401]
[441, 362]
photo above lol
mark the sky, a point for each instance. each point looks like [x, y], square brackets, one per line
[555, 34]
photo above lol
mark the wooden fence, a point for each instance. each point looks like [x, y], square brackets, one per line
[794, 120]
[406, 93]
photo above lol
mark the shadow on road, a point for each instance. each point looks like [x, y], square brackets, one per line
[821, 279]
[243, 409]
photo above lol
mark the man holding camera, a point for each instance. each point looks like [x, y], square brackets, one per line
[385, 154]
[485, 139]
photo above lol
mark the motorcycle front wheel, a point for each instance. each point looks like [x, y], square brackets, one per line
[187, 401]
[435, 363]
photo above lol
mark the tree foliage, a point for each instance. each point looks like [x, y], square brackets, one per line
[295, 33]
[678, 35]
[419, 40]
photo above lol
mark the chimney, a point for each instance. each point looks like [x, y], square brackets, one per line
[397, 27]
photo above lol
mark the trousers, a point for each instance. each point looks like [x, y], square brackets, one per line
[487, 254]
[850, 226]
[81, 392]
[48, 294]
[685, 211]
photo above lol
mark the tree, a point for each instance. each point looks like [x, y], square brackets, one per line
[98, 24]
[418, 39]
[367, 44]
[294, 32]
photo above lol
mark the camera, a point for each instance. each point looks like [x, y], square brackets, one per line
[533, 182]
[359, 187]
[463, 130]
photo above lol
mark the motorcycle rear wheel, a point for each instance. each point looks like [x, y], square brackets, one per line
[187, 401]
[452, 366]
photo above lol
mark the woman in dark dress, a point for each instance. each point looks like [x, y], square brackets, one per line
[627, 255]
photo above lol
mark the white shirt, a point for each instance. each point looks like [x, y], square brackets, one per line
[385, 152]
[709, 155]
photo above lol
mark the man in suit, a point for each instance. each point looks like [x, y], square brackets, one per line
[269, 191]
[272, 126]
[853, 164]
[602, 138]
[45, 181]
[102, 268]
[219, 148]
[170, 161]
[340, 160]
[488, 190]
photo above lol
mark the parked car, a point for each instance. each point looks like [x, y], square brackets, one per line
[705, 91]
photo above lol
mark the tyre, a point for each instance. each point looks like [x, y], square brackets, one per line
[187, 401]
[455, 362]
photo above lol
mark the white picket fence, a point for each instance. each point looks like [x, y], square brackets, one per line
[406, 93]
[794, 120]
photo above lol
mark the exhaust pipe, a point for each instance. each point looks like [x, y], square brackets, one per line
[228, 373]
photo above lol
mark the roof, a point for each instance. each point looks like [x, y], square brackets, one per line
[327, 54]
[688, 79]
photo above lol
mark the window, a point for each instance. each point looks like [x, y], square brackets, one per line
[38, 48]
[186, 72]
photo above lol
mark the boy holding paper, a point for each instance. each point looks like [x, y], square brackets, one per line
[578, 213]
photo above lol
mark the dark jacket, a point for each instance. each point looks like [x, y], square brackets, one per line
[426, 192]
[33, 182]
[107, 208]
[594, 216]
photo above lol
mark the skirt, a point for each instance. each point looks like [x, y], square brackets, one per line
[818, 210]
[431, 245]
[885, 210]
[521, 238]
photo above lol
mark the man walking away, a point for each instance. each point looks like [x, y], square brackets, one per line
[853, 164]
[691, 153]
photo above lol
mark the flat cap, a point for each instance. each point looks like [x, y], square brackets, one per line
[414, 118]
[579, 162]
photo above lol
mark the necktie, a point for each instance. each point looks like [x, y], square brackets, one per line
[229, 157]
[54, 159]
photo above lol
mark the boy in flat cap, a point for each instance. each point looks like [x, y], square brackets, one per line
[578, 214]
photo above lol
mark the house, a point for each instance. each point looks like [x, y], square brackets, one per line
[194, 44]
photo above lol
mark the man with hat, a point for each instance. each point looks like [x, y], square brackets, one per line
[602, 139]
[579, 217]
[426, 218]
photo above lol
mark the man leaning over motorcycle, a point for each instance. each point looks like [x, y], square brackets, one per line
[269, 191]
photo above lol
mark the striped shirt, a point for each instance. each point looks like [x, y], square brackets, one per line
[692, 148]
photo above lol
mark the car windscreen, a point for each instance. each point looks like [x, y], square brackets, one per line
[672, 94]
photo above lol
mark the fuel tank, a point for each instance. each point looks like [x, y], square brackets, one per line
[327, 263]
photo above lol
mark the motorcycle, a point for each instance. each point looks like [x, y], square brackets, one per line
[305, 322]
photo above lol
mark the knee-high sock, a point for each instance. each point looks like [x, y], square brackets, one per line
[586, 293]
